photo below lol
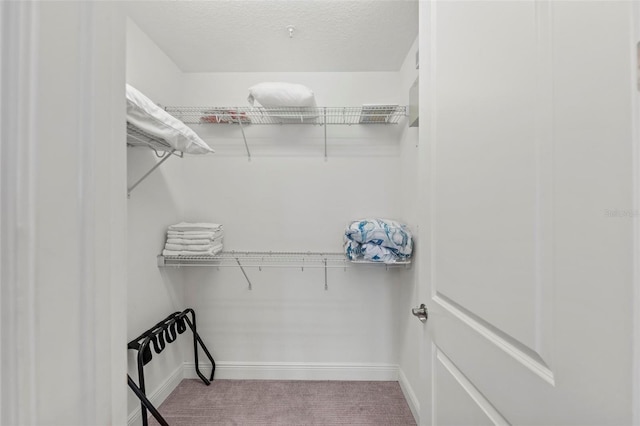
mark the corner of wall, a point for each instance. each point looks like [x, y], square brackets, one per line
[150, 69]
[153, 293]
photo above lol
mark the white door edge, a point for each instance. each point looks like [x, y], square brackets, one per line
[635, 42]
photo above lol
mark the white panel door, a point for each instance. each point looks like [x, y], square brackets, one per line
[530, 198]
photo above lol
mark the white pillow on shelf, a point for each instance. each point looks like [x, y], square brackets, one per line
[148, 117]
[275, 94]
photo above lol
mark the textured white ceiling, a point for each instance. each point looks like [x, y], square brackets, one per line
[251, 35]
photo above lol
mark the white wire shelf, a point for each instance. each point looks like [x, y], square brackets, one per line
[366, 114]
[257, 259]
[271, 259]
[321, 116]
[138, 137]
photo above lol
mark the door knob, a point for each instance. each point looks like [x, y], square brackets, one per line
[421, 312]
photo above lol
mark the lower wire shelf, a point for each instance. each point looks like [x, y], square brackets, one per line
[266, 259]
[272, 259]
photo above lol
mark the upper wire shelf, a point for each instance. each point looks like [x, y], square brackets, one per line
[366, 114]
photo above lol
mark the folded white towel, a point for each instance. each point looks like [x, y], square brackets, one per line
[195, 235]
[190, 247]
[189, 241]
[196, 241]
[193, 247]
[206, 231]
[185, 226]
[211, 252]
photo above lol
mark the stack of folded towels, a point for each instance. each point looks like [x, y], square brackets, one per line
[193, 239]
[378, 240]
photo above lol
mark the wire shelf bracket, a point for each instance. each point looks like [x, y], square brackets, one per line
[244, 137]
[246, 277]
[164, 151]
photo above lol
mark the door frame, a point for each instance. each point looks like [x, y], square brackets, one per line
[97, 54]
[426, 133]
[17, 214]
[634, 49]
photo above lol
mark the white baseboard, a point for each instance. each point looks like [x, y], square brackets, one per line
[409, 395]
[158, 396]
[295, 371]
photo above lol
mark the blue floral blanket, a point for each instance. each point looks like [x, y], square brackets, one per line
[378, 240]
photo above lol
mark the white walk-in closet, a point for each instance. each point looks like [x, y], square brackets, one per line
[519, 305]
[288, 187]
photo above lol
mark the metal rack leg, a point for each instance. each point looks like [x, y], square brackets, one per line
[196, 340]
[143, 407]
[169, 325]
[146, 403]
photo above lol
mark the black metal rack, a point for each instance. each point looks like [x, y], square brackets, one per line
[166, 331]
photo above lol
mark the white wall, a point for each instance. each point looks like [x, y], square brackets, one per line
[149, 69]
[153, 293]
[288, 198]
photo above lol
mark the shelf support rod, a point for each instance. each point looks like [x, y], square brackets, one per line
[326, 283]
[244, 273]
[246, 146]
[325, 133]
[139, 181]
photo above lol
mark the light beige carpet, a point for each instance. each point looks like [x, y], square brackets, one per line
[278, 402]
